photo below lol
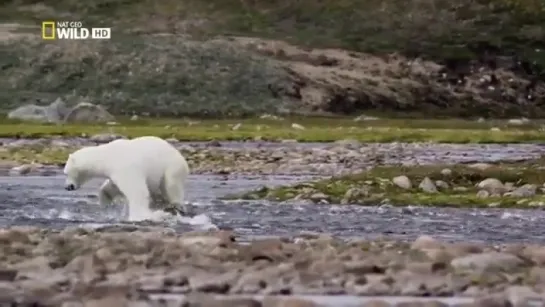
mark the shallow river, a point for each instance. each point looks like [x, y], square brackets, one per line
[42, 201]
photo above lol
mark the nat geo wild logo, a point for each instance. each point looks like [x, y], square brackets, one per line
[72, 30]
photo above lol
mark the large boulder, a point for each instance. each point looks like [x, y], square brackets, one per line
[53, 113]
[85, 112]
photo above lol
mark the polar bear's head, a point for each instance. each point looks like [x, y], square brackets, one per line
[78, 168]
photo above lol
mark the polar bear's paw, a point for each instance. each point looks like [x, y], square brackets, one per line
[184, 210]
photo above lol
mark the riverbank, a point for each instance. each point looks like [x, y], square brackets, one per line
[504, 185]
[79, 264]
[399, 174]
[303, 129]
[47, 155]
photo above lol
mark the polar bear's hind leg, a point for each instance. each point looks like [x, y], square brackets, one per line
[174, 189]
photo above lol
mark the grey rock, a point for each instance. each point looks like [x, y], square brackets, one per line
[85, 112]
[509, 186]
[483, 194]
[349, 143]
[58, 109]
[425, 242]
[492, 185]
[105, 137]
[353, 194]
[297, 126]
[446, 172]
[9, 291]
[522, 296]
[518, 121]
[403, 182]
[480, 166]
[412, 284]
[317, 197]
[537, 274]
[494, 260]
[495, 300]
[427, 186]
[442, 185]
[204, 300]
[20, 170]
[365, 118]
[527, 190]
[213, 283]
[53, 113]
[376, 303]
[371, 289]
[460, 189]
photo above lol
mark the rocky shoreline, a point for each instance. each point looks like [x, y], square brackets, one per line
[118, 264]
[45, 156]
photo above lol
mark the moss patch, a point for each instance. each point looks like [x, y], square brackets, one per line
[43, 155]
[375, 186]
[315, 130]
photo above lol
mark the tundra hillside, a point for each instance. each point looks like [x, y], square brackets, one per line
[232, 58]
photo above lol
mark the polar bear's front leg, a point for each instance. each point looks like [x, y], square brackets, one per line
[107, 193]
[137, 194]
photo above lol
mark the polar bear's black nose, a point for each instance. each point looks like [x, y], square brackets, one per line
[70, 187]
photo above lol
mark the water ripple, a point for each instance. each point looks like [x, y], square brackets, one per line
[43, 202]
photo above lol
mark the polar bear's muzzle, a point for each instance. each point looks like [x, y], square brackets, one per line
[70, 187]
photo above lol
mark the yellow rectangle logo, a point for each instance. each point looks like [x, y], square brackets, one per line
[48, 30]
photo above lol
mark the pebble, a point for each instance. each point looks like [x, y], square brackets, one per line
[288, 156]
[117, 262]
[491, 185]
[403, 182]
[427, 186]
[491, 260]
[144, 261]
[446, 172]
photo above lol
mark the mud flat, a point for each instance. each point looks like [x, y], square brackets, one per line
[120, 264]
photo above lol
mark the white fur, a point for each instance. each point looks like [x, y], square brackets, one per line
[137, 169]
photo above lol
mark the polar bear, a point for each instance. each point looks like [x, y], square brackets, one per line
[138, 169]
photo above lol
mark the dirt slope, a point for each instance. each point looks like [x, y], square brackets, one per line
[429, 57]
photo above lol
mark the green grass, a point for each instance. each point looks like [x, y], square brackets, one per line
[169, 76]
[316, 130]
[441, 29]
[378, 186]
[160, 76]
